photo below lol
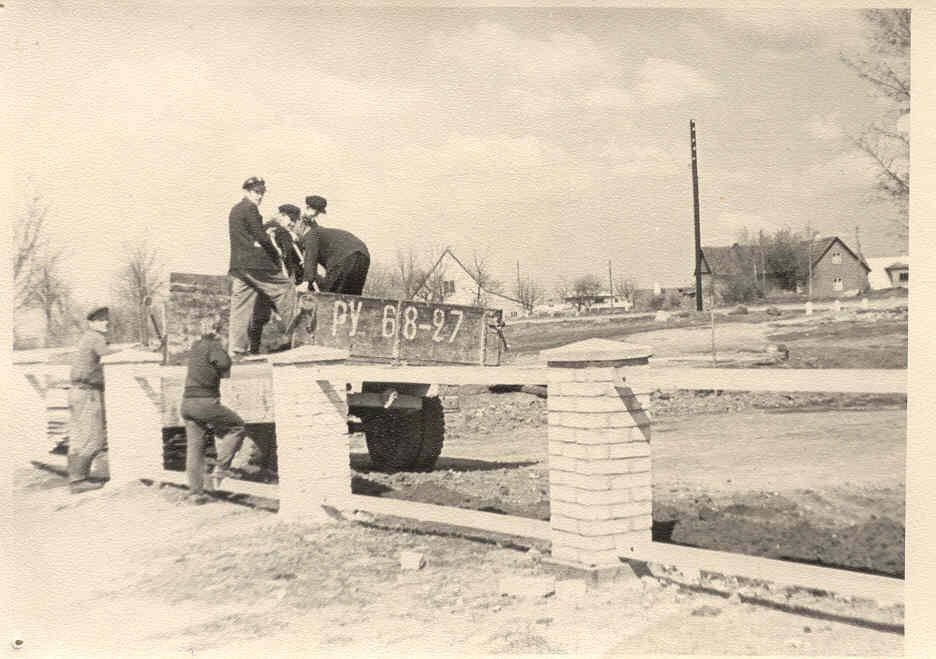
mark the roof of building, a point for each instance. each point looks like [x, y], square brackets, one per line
[734, 259]
[461, 265]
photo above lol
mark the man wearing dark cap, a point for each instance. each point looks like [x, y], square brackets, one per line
[256, 270]
[201, 408]
[343, 255]
[87, 435]
[291, 265]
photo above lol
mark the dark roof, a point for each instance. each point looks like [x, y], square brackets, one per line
[897, 266]
[736, 258]
[822, 245]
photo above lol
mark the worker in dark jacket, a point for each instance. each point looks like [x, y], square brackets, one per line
[343, 255]
[87, 434]
[255, 269]
[291, 260]
[201, 408]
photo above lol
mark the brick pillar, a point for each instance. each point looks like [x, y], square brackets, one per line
[599, 452]
[133, 409]
[312, 442]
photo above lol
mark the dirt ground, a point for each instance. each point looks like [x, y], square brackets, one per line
[819, 478]
[165, 578]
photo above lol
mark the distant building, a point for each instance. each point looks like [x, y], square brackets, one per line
[836, 269]
[453, 283]
[899, 274]
[603, 300]
[889, 272]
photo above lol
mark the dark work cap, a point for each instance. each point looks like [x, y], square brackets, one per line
[316, 202]
[99, 313]
[255, 183]
[290, 210]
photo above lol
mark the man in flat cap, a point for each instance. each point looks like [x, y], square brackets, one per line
[201, 409]
[87, 434]
[343, 255]
[290, 263]
[255, 268]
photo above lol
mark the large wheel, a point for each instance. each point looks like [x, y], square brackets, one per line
[397, 441]
[433, 434]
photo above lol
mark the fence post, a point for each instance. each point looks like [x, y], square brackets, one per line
[599, 452]
[312, 441]
[133, 413]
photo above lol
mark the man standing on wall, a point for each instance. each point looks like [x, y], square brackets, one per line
[87, 434]
[343, 255]
[255, 269]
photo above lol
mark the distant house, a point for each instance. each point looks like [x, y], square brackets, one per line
[452, 283]
[603, 300]
[899, 274]
[889, 272]
[836, 269]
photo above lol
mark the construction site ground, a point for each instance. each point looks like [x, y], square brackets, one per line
[810, 477]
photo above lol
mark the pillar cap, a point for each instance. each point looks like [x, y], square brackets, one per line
[597, 352]
[308, 354]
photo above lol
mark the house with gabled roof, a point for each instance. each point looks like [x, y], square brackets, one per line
[450, 281]
[836, 268]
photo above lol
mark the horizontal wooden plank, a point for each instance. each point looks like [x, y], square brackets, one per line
[474, 519]
[879, 381]
[884, 590]
[433, 374]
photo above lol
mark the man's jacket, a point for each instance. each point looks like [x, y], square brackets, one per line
[251, 248]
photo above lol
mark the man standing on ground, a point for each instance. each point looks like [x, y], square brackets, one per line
[87, 434]
[201, 407]
[255, 269]
[343, 255]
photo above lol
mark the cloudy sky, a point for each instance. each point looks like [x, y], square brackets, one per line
[558, 137]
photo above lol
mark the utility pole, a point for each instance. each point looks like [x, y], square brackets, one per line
[697, 224]
[809, 231]
[610, 284]
[858, 241]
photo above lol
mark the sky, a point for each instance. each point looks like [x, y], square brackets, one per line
[556, 138]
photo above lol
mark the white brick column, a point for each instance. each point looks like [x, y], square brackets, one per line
[312, 442]
[133, 409]
[599, 452]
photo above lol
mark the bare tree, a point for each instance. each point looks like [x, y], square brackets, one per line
[53, 296]
[625, 288]
[408, 273]
[381, 281]
[529, 293]
[886, 66]
[584, 291]
[480, 271]
[563, 289]
[31, 251]
[38, 282]
[137, 286]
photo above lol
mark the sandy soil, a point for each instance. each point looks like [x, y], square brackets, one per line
[165, 578]
[139, 571]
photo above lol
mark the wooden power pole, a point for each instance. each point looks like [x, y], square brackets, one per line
[697, 224]
[610, 284]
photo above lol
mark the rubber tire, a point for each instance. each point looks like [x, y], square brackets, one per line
[433, 434]
[398, 441]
